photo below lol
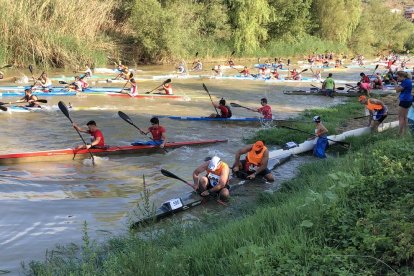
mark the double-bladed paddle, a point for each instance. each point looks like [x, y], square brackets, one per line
[39, 101]
[129, 121]
[338, 142]
[164, 82]
[205, 88]
[65, 111]
[237, 105]
[171, 175]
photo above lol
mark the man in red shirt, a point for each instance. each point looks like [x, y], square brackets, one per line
[159, 138]
[265, 110]
[97, 138]
[225, 111]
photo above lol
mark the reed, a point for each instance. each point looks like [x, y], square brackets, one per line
[56, 33]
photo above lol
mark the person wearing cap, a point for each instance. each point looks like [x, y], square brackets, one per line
[329, 86]
[215, 182]
[159, 138]
[97, 138]
[378, 111]
[255, 163]
[225, 111]
[29, 98]
[321, 133]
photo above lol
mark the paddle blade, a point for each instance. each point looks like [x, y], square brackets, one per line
[235, 105]
[170, 174]
[205, 88]
[63, 82]
[31, 68]
[3, 108]
[41, 101]
[196, 55]
[232, 53]
[340, 88]
[125, 117]
[304, 70]
[64, 110]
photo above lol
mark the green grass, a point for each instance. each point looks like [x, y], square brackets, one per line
[345, 216]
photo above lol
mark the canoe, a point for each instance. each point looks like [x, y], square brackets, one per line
[318, 92]
[74, 154]
[148, 96]
[304, 79]
[192, 199]
[176, 76]
[61, 89]
[225, 67]
[273, 66]
[22, 109]
[37, 93]
[207, 119]
[111, 71]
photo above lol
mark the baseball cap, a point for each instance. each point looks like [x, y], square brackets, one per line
[316, 119]
[362, 98]
[214, 162]
[258, 146]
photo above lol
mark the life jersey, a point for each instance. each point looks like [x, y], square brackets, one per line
[30, 98]
[266, 111]
[225, 111]
[254, 160]
[94, 135]
[84, 84]
[214, 176]
[157, 132]
[168, 89]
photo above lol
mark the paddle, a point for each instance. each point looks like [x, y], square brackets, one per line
[129, 121]
[6, 66]
[360, 117]
[3, 108]
[375, 69]
[65, 111]
[171, 175]
[123, 87]
[205, 88]
[164, 82]
[31, 71]
[299, 130]
[237, 105]
[40, 101]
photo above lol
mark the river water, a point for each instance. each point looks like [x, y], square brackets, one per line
[46, 203]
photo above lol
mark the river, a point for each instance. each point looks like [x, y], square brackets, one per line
[46, 203]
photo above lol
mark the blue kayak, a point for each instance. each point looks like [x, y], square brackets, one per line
[17, 108]
[43, 94]
[13, 88]
[233, 119]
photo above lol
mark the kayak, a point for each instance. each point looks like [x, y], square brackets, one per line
[37, 93]
[176, 76]
[111, 71]
[225, 67]
[319, 92]
[148, 96]
[61, 89]
[273, 65]
[289, 80]
[72, 154]
[192, 199]
[207, 119]
[22, 109]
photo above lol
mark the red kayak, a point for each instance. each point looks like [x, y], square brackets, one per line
[72, 154]
[147, 96]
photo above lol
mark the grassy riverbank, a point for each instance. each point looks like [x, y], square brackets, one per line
[349, 215]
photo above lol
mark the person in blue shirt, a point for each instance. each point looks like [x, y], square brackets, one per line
[405, 88]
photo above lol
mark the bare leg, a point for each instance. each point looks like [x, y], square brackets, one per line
[402, 119]
[202, 183]
[269, 177]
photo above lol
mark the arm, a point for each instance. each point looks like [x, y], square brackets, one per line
[224, 177]
[197, 171]
[239, 153]
[33, 100]
[262, 166]
[164, 139]
[75, 126]
[94, 143]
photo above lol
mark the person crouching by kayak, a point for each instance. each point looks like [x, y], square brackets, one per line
[167, 88]
[215, 182]
[364, 88]
[225, 111]
[29, 98]
[255, 164]
[321, 133]
[159, 138]
[378, 111]
[97, 138]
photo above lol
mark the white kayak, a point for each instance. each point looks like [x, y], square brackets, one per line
[308, 145]
[176, 76]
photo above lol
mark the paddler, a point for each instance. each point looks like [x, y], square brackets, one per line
[231, 62]
[265, 110]
[321, 133]
[97, 138]
[181, 68]
[329, 86]
[43, 81]
[378, 111]
[133, 91]
[364, 78]
[377, 83]
[29, 98]
[88, 71]
[159, 137]
[215, 182]
[245, 72]
[225, 111]
[167, 89]
[217, 69]
[255, 164]
[197, 66]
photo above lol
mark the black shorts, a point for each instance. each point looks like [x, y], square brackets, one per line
[217, 193]
[405, 104]
[382, 118]
[266, 171]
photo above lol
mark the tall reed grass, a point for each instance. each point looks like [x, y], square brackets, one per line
[58, 33]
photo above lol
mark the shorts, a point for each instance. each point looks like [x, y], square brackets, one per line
[244, 174]
[405, 104]
[217, 193]
[329, 92]
[382, 118]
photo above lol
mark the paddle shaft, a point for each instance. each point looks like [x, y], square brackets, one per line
[291, 128]
[171, 175]
[205, 88]
[164, 82]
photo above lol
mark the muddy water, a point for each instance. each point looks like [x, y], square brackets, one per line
[46, 203]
